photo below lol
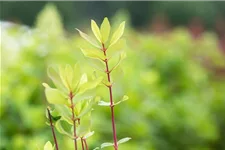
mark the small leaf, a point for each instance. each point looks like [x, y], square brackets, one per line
[106, 145]
[76, 77]
[85, 125]
[48, 146]
[54, 76]
[89, 85]
[125, 97]
[117, 34]
[94, 53]
[116, 48]
[96, 31]
[83, 96]
[65, 113]
[86, 108]
[89, 135]
[88, 38]
[96, 148]
[103, 103]
[105, 29]
[121, 57]
[54, 96]
[62, 130]
[123, 140]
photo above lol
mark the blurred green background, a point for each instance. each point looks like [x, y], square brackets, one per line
[174, 72]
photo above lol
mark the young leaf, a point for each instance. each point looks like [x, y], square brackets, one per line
[62, 130]
[121, 57]
[88, 135]
[125, 97]
[103, 103]
[48, 146]
[123, 140]
[76, 77]
[116, 48]
[54, 76]
[88, 38]
[65, 112]
[105, 29]
[96, 148]
[89, 85]
[117, 34]
[93, 53]
[54, 96]
[106, 145]
[96, 31]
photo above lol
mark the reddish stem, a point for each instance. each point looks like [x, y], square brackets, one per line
[52, 127]
[74, 121]
[82, 142]
[85, 143]
[111, 99]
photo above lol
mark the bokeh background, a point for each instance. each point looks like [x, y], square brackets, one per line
[174, 72]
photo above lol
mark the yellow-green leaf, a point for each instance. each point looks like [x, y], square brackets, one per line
[54, 96]
[88, 38]
[105, 29]
[48, 146]
[96, 31]
[94, 53]
[117, 34]
[121, 57]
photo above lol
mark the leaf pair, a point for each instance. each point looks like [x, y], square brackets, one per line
[102, 34]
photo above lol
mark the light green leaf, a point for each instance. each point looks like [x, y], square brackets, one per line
[99, 65]
[54, 76]
[85, 126]
[121, 57]
[89, 135]
[76, 77]
[116, 48]
[48, 146]
[89, 85]
[62, 74]
[54, 96]
[86, 108]
[94, 53]
[106, 145]
[125, 97]
[61, 130]
[105, 29]
[103, 103]
[83, 96]
[96, 31]
[69, 75]
[96, 148]
[65, 112]
[83, 79]
[89, 39]
[123, 140]
[117, 34]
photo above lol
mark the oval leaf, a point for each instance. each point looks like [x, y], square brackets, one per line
[123, 140]
[103, 103]
[48, 146]
[105, 29]
[96, 31]
[88, 38]
[117, 34]
[94, 53]
[54, 96]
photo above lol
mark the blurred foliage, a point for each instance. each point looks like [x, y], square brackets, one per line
[76, 13]
[177, 98]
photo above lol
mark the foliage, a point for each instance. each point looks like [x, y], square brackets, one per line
[176, 94]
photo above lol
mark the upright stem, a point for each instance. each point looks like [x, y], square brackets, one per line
[82, 143]
[52, 127]
[111, 100]
[85, 143]
[74, 120]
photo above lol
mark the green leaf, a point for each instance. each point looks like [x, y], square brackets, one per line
[99, 65]
[54, 76]
[103, 103]
[89, 135]
[121, 57]
[123, 140]
[105, 29]
[61, 129]
[125, 97]
[116, 48]
[96, 31]
[117, 34]
[83, 96]
[86, 108]
[106, 145]
[76, 77]
[94, 53]
[89, 39]
[54, 96]
[89, 85]
[96, 148]
[85, 125]
[48, 146]
[62, 74]
[65, 112]
[69, 76]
